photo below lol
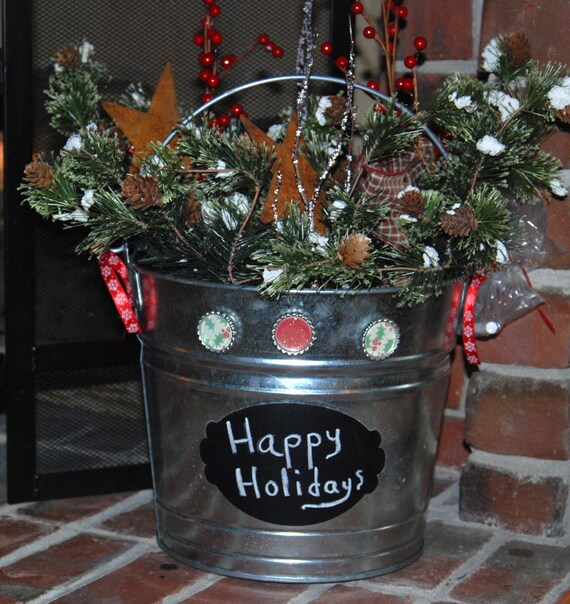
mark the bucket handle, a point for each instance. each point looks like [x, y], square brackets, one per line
[299, 77]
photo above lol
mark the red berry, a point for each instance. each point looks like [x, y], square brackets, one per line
[206, 58]
[373, 85]
[341, 62]
[400, 83]
[408, 85]
[391, 6]
[369, 32]
[199, 39]
[402, 12]
[236, 110]
[228, 60]
[224, 120]
[216, 37]
[204, 75]
[213, 123]
[410, 61]
[326, 48]
[420, 43]
[277, 52]
[262, 39]
[391, 47]
[207, 98]
[358, 8]
[209, 2]
[270, 46]
[213, 80]
[206, 22]
[215, 10]
[392, 29]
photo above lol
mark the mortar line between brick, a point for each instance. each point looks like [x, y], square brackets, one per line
[445, 67]
[469, 567]
[554, 594]
[132, 502]
[72, 529]
[39, 545]
[196, 587]
[312, 592]
[558, 374]
[531, 469]
[477, 26]
[120, 561]
[389, 589]
[101, 532]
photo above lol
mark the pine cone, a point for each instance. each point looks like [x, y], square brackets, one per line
[193, 210]
[459, 224]
[412, 202]
[68, 57]
[141, 192]
[39, 174]
[563, 114]
[517, 48]
[335, 112]
[354, 250]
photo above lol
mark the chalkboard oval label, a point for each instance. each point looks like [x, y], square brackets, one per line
[292, 464]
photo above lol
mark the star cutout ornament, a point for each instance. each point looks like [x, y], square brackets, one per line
[153, 125]
[288, 192]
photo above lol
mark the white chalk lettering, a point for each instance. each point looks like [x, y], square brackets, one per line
[335, 439]
[314, 440]
[360, 476]
[298, 483]
[292, 441]
[346, 485]
[238, 441]
[241, 484]
[272, 488]
[315, 486]
[269, 447]
[297, 449]
[285, 482]
[331, 487]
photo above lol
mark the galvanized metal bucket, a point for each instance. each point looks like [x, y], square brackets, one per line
[291, 440]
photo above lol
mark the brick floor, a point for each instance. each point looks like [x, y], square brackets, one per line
[95, 550]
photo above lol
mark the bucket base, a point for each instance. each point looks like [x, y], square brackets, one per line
[274, 567]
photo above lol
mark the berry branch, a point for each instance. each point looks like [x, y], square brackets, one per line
[215, 65]
[393, 18]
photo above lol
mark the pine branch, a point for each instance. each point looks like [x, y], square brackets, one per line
[389, 133]
[73, 100]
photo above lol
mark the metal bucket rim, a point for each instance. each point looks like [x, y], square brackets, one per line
[252, 288]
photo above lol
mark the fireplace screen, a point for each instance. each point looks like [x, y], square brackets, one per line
[75, 413]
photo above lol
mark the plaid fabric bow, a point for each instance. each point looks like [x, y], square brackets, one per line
[383, 181]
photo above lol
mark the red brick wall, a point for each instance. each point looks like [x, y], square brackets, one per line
[514, 411]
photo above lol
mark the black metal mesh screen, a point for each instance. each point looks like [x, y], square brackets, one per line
[89, 418]
[89, 415]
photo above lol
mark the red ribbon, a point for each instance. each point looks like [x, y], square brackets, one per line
[469, 341]
[450, 336]
[114, 273]
[542, 314]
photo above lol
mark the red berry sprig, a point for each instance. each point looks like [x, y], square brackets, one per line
[214, 65]
[393, 19]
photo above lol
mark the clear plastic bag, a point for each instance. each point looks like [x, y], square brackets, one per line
[503, 297]
[507, 295]
[536, 248]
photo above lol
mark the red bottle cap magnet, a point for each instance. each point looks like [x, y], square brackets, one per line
[216, 331]
[293, 333]
[380, 339]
